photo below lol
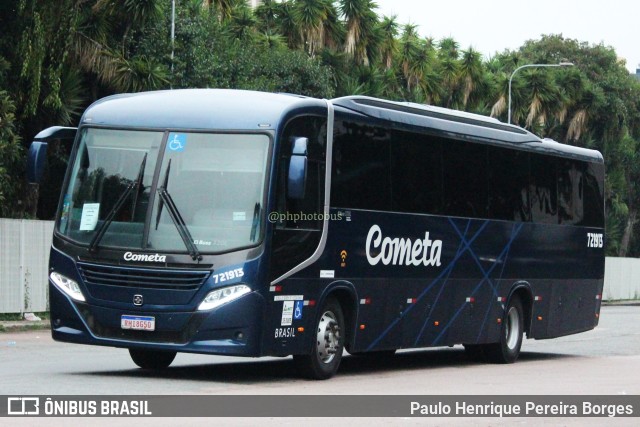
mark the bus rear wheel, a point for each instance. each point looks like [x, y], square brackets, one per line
[328, 344]
[149, 359]
[507, 349]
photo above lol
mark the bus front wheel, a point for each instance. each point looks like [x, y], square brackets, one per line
[148, 359]
[507, 349]
[326, 353]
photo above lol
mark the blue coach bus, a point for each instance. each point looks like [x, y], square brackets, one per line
[254, 224]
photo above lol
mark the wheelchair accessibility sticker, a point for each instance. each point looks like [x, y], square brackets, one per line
[297, 311]
[177, 142]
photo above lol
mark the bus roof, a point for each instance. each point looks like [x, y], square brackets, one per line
[460, 124]
[196, 109]
[228, 109]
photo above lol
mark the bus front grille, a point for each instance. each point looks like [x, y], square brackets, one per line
[145, 278]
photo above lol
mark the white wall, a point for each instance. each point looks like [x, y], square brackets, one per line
[24, 260]
[621, 279]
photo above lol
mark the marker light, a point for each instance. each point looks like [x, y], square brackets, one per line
[66, 285]
[222, 296]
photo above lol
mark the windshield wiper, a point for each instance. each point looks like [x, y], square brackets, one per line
[178, 221]
[139, 187]
[119, 203]
[165, 185]
[255, 222]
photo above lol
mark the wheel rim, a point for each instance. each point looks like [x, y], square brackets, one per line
[328, 338]
[512, 328]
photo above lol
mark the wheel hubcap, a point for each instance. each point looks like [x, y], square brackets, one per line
[512, 328]
[328, 338]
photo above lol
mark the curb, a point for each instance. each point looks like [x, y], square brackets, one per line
[22, 326]
[622, 303]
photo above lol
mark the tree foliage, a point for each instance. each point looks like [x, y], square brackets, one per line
[56, 57]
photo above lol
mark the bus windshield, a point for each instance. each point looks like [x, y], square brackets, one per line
[215, 183]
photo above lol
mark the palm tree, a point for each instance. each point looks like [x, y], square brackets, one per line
[334, 32]
[418, 65]
[267, 13]
[241, 24]
[409, 49]
[130, 13]
[389, 44]
[138, 74]
[224, 8]
[309, 16]
[371, 38]
[448, 48]
[590, 100]
[272, 39]
[424, 70]
[501, 81]
[471, 73]
[544, 95]
[361, 21]
[287, 24]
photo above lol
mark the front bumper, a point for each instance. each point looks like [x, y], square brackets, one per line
[232, 329]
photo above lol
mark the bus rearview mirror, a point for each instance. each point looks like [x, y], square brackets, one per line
[38, 150]
[297, 177]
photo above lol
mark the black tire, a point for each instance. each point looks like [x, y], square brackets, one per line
[149, 359]
[324, 357]
[508, 349]
[475, 352]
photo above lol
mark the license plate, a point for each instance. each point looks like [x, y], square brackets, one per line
[138, 323]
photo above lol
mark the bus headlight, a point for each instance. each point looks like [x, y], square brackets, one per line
[222, 296]
[66, 285]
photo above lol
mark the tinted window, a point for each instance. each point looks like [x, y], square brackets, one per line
[542, 190]
[361, 167]
[508, 184]
[570, 191]
[416, 173]
[392, 170]
[594, 195]
[465, 179]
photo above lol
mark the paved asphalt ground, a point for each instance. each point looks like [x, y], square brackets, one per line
[603, 361]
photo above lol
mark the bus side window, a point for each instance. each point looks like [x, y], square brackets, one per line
[416, 173]
[465, 179]
[361, 167]
[570, 191]
[543, 189]
[508, 185]
[593, 195]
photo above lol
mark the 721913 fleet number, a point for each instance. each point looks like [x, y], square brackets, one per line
[595, 240]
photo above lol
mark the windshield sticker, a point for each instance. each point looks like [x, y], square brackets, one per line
[177, 142]
[287, 313]
[89, 218]
[64, 216]
[297, 311]
[239, 216]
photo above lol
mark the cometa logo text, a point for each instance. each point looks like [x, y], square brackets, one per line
[130, 256]
[402, 251]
